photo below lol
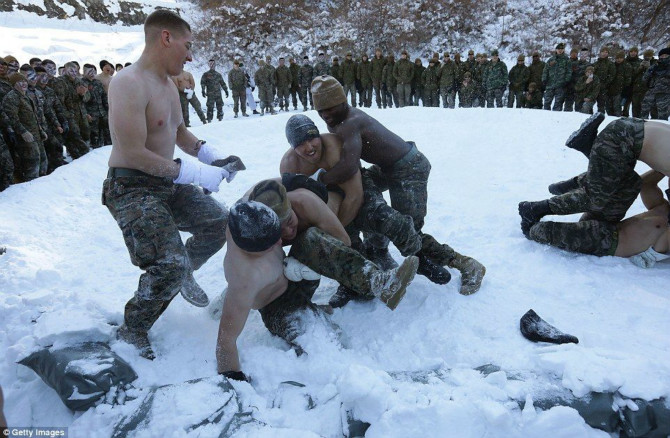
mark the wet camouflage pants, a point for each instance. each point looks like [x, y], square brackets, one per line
[557, 95]
[97, 125]
[593, 237]
[150, 212]
[283, 95]
[6, 165]
[213, 99]
[659, 101]
[239, 101]
[196, 106]
[449, 97]
[294, 91]
[611, 184]
[366, 95]
[494, 95]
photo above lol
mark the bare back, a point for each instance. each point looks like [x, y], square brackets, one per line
[656, 147]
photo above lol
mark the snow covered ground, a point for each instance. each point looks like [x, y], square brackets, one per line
[67, 275]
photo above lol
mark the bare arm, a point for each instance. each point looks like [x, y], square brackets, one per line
[323, 218]
[128, 126]
[233, 318]
[186, 141]
[288, 163]
[651, 194]
[350, 161]
[353, 189]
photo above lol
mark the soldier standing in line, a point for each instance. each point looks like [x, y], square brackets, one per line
[70, 91]
[588, 90]
[283, 81]
[336, 69]
[349, 78]
[364, 75]
[657, 78]
[417, 82]
[555, 77]
[518, 81]
[186, 85]
[251, 87]
[496, 81]
[96, 107]
[53, 144]
[431, 87]
[294, 68]
[7, 135]
[265, 81]
[447, 76]
[605, 71]
[467, 91]
[622, 79]
[584, 62]
[536, 69]
[378, 63]
[480, 76]
[238, 85]
[273, 75]
[45, 115]
[569, 103]
[305, 76]
[321, 67]
[403, 71]
[211, 84]
[389, 85]
[634, 62]
[73, 143]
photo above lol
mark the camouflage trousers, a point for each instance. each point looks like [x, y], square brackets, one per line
[74, 142]
[283, 95]
[30, 159]
[54, 150]
[404, 95]
[570, 95]
[599, 238]
[494, 95]
[195, 103]
[515, 96]
[636, 104]
[306, 94]
[614, 105]
[377, 87]
[417, 96]
[610, 185]
[240, 101]
[266, 96]
[150, 212]
[212, 100]
[350, 88]
[601, 101]
[366, 95]
[6, 165]
[658, 101]
[585, 107]
[294, 91]
[557, 95]
[390, 97]
[449, 97]
[97, 125]
[285, 317]
[431, 97]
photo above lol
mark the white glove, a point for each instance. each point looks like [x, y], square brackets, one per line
[208, 177]
[648, 258]
[296, 271]
[27, 137]
[208, 154]
[316, 175]
[189, 93]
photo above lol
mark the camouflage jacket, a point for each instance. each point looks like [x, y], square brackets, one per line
[387, 76]
[21, 113]
[364, 73]
[305, 76]
[377, 69]
[605, 70]
[265, 76]
[417, 78]
[403, 71]
[72, 102]
[634, 63]
[212, 82]
[495, 76]
[54, 102]
[657, 77]
[321, 68]
[336, 72]
[532, 100]
[448, 75]
[430, 78]
[466, 93]
[39, 103]
[295, 70]
[237, 80]
[557, 72]
[622, 78]
[283, 76]
[518, 77]
[461, 68]
[588, 91]
[348, 72]
[97, 104]
[536, 68]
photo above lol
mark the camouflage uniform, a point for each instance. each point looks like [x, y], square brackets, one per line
[54, 143]
[605, 70]
[467, 93]
[321, 68]
[532, 99]
[480, 78]
[364, 75]
[211, 84]
[587, 91]
[349, 79]
[96, 107]
[195, 103]
[622, 79]
[49, 123]
[657, 78]
[305, 76]
[336, 70]
[294, 89]
[389, 85]
[71, 102]
[576, 72]
[447, 76]
[403, 71]
[150, 212]
[30, 160]
[536, 68]
[265, 81]
[378, 64]
[238, 85]
[6, 165]
[417, 83]
[431, 90]
[496, 82]
[283, 81]
[555, 77]
[637, 88]
[518, 81]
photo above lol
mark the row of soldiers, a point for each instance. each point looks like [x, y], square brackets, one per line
[44, 109]
[560, 83]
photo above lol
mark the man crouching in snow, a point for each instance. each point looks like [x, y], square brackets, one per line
[260, 277]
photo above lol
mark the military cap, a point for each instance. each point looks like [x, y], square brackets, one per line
[436, 55]
[471, 52]
[467, 74]
[648, 52]
[322, 54]
[445, 55]
[590, 67]
[417, 60]
[327, 92]
[536, 54]
[16, 77]
[305, 57]
[404, 52]
[633, 49]
[10, 59]
[236, 62]
[620, 54]
[268, 58]
[336, 59]
[349, 54]
[494, 52]
[560, 46]
[432, 61]
[664, 51]
[521, 58]
[574, 50]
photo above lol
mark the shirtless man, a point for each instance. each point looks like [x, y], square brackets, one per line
[151, 196]
[610, 185]
[106, 73]
[399, 167]
[186, 85]
[260, 277]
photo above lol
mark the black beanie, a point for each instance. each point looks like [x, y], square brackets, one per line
[253, 226]
[300, 128]
[664, 51]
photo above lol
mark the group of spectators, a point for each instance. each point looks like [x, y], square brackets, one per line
[44, 109]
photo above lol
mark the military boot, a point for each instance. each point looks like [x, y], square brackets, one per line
[344, 295]
[193, 293]
[245, 115]
[380, 257]
[562, 187]
[255, 112]
[390, 286]
[432, 271]
[138, 339]
[472, 273]
[531, 213]
[582, 139]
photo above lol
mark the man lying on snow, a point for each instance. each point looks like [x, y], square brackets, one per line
[606, 191]
[260, 276]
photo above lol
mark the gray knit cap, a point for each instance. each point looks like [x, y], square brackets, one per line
[300, 128]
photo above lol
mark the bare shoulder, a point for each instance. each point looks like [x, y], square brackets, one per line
[128, 82]
[332, 147]
[304, 200]
[289, 162]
